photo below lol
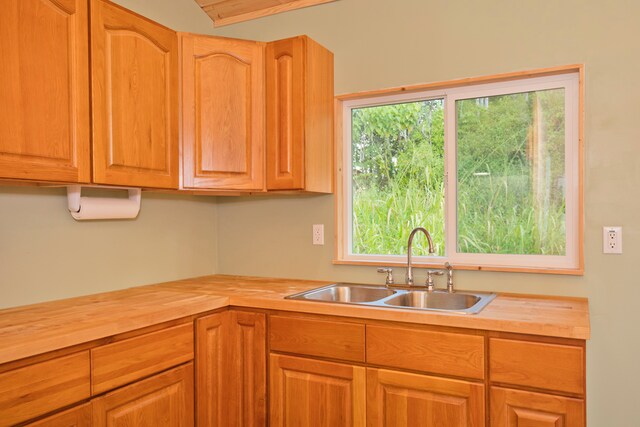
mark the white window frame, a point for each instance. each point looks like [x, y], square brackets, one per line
[570, 263]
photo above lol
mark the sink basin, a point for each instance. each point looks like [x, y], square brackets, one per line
[346, 293]
[440, 300]
[380, 296]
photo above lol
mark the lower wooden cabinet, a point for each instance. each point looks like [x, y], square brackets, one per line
[165, 399]
[516, 408]
[404, 399]
[307, 392]
[231, 385]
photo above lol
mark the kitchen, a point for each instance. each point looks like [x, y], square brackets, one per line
[46, 255]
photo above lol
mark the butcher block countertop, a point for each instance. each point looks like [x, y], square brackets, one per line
[40, 328]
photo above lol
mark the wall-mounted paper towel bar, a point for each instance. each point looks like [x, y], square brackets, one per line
[85, 208]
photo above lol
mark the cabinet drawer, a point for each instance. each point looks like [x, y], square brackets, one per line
[535, 364]
[336, 340]
[429, 351]
[125, 361]
[34, 390]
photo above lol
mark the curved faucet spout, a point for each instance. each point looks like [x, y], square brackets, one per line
[409, 278]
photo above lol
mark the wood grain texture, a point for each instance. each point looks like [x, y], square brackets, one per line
[134, 69]
[222, 113]
[335, 340]
[226, 12]
[122, 362]
[527, 314]
[285, 95]
[402, 399]
[162, 400]
[430, 351]
[536, 364]
[231, 384]
[299, 75]
[514, 408]
[319, 103]
[305, 392]
[34, 390]
[44, 116]
[78, 416]
[41, 328]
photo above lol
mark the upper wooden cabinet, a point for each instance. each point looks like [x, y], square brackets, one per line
[134, 70]
[222, 113]
[299, 75]
[44, 90]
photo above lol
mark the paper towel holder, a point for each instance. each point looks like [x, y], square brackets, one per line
[102, 207]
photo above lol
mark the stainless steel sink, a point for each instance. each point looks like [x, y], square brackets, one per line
[345, 293]
[441, 300]
[379, 296]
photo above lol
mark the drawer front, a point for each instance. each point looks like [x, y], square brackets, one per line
[534, 364]
[125, 361]
[335, 340]
[429, 351]
[34, 390]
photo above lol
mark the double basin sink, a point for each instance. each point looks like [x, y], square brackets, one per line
[379, 296]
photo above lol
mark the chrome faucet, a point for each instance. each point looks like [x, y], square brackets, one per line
[409, 278]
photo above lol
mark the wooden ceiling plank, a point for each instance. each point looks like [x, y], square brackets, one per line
[226, 12]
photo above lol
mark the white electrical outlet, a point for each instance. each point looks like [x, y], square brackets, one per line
[318, 234]
[612, 240]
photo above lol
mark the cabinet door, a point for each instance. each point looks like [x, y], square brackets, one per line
[79, 416]
[135, 99]
[231, 369]
[285, 114]
[44, 90]
[299, 75]
[163, 400]
[513, 408]
[404, 399]
[222, 113]
[306, 392]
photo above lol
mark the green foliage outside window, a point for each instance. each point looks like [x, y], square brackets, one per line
[510, 158]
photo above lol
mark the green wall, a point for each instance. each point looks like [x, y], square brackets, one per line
[45, 255]
[381, 43]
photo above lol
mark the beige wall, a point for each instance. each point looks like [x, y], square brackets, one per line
[382, 43]
[44, 254]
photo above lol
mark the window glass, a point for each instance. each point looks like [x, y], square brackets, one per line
[511, 174]
[397, 176]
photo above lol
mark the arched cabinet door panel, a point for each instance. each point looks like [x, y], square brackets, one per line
[44, 90]
[135, 99]
[222, 113]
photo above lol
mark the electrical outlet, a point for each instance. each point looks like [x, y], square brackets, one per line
[318, 234]
[612, 240]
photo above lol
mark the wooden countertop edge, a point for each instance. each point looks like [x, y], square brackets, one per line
[56, 342]
[199, 295]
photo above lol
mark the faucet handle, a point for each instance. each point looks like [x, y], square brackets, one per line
[389, 271]
[449, 268]
[429, 283]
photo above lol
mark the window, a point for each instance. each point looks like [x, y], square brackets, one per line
[491, 169]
